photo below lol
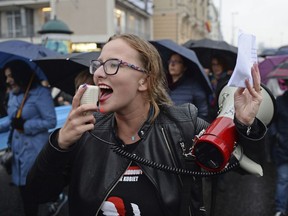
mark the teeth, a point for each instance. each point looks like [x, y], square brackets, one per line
[104, 87]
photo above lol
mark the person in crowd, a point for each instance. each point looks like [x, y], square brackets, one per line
[183, 86]
[60, 97]
[276, 86]
[219, 75]
[31, 114]
[112, 159]
[84, 77]
[280, 153]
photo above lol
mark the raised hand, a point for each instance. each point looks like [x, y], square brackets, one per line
[78, 121]
[247, 100]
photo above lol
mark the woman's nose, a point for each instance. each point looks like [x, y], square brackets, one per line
[100, 73]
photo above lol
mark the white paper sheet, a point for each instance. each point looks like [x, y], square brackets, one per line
[246, 57]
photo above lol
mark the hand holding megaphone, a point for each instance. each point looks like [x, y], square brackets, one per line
[214, 146]
[79, 120]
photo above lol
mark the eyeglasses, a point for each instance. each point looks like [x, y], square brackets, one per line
[174, 62]
[111, 66]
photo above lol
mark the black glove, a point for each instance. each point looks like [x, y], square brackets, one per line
[18, 123]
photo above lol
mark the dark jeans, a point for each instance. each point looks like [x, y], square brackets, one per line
[29, 203]
[281, 198]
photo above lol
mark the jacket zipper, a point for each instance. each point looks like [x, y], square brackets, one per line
[113, 186]
[167, 144]
[168, 147]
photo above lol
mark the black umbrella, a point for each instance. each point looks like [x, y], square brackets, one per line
[62, 70]
[205, 49]
[26, 51]
[189, 43]
[167, 47]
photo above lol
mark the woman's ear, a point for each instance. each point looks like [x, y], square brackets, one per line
[142, 84]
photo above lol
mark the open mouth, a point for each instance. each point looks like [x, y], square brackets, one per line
[105, 91]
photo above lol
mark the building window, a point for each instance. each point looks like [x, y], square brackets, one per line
[29, 25]
[20, 23]
[119, 21]
[129, 22]
[46, 14]
[14, 23]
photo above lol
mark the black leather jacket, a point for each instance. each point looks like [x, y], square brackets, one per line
[92, 169]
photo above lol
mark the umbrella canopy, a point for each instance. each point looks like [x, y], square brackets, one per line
[280, 72]
[62, 70]
[283, 50]
[269, 64]
[26, 51]
[206, 48]
[167, 47]
[189, 43]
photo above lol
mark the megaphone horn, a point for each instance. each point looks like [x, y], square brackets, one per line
[214, 146]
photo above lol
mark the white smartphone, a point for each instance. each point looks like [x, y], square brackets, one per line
[91, 95]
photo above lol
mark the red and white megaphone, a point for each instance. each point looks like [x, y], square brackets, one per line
[214, 146]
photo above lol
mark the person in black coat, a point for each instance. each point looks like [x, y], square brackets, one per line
[112, 156]
[279, 132]
[219, 75]
[184, 87]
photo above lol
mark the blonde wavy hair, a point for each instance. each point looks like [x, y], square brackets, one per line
[152, 63]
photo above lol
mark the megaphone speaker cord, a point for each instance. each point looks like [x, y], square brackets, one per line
[175, 170]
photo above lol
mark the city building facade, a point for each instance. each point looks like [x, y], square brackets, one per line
[183, 20]
[93, 21]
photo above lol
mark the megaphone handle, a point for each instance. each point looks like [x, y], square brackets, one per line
[246, 163]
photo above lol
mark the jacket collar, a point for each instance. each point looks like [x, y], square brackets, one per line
[144, 128]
